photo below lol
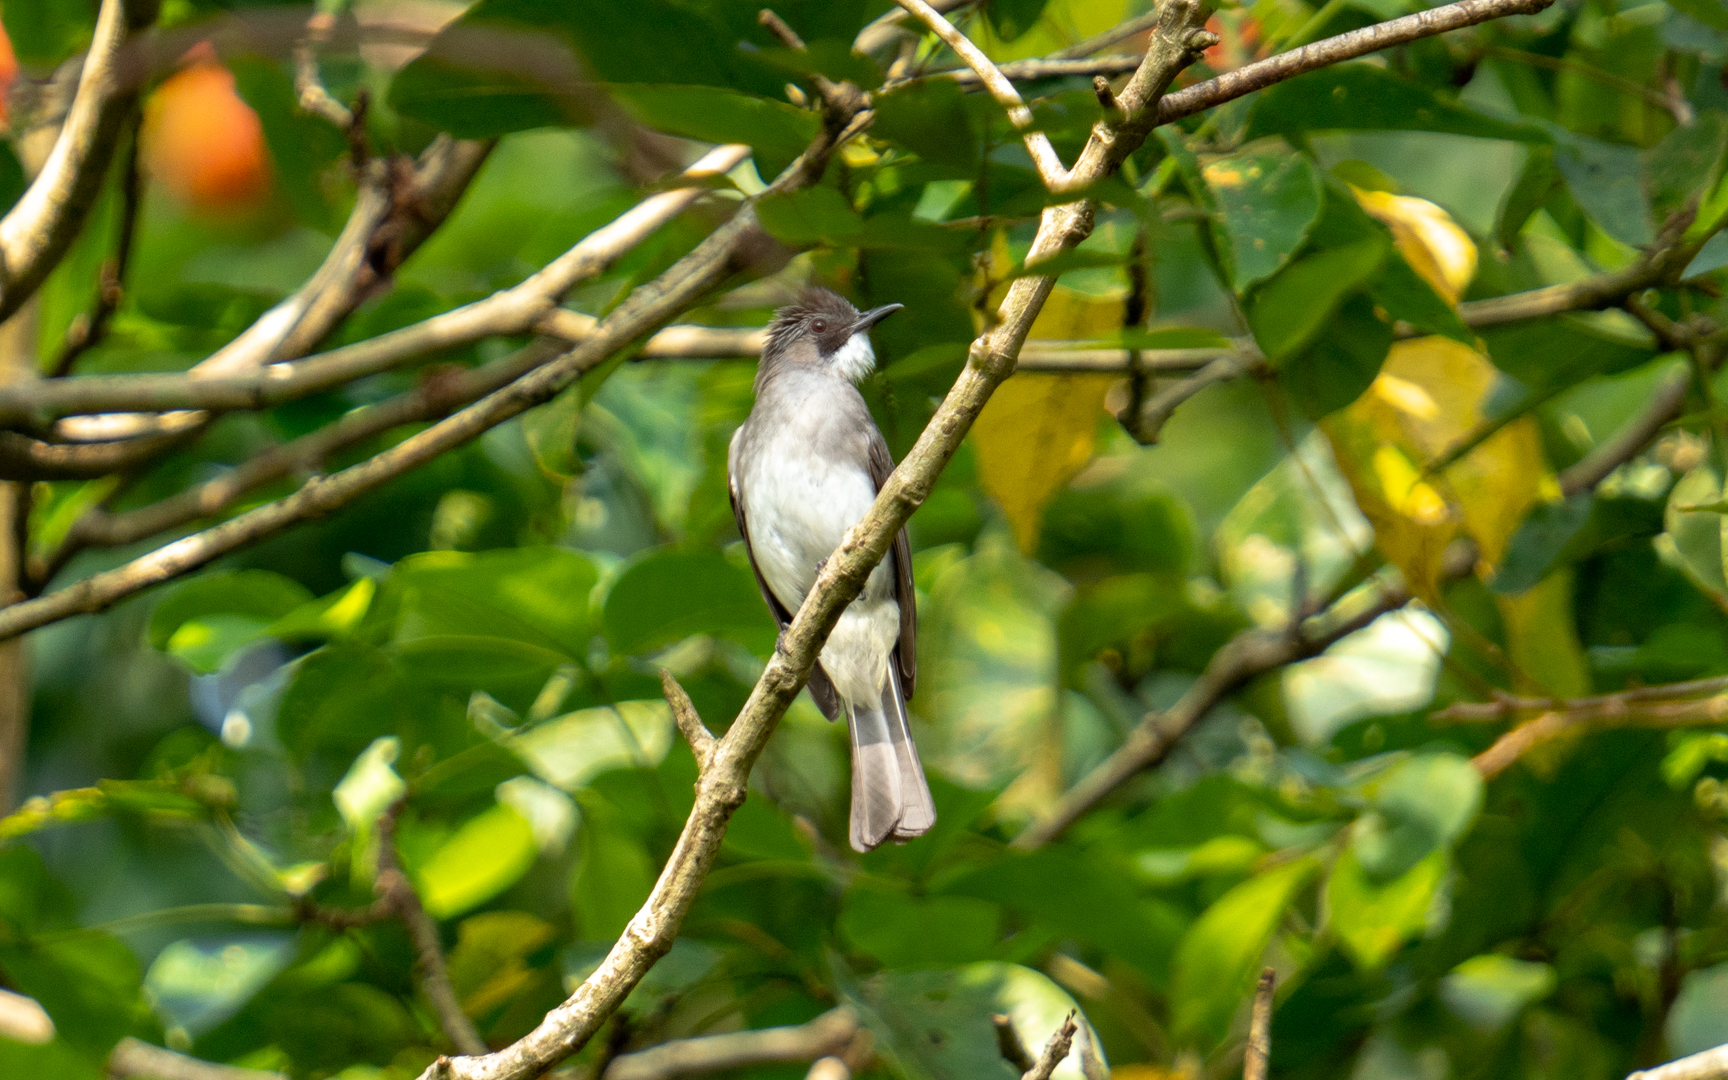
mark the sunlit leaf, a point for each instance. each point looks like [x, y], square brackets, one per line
[485, 856]
[1372, 920]
[1219, 956]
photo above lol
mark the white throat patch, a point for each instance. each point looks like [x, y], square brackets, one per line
[855, 359]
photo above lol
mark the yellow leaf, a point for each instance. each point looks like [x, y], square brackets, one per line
[1542, 639]
[1037, 431]
[1428, 399]
[1430, 241]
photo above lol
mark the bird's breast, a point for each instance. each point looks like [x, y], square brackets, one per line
[799, 503]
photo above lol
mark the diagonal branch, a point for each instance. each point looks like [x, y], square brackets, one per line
[394, 886]
[39, 228]
[1263, 73]
[647, 307]
[518, 310]
[831, 1033]
[136, 1058]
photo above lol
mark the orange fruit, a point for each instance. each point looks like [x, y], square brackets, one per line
[202, 142]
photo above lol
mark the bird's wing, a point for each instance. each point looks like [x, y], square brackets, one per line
[827, 698]
[881, 465]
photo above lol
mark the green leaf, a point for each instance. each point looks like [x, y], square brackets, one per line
[911, 931]
[935, 1024]
[777, 131]
[1367, 97]
[45, 34]
[612, 877]
[1566, 350]
[571, 750]
[89, 984]
[486, 856]
[670, 594]
[1488, 991]
[1219, 956]
[1267, 203]
[1289, 311]
[513, 65]
[1072, 259]
[1608, 183]
[1536, 182]
[1709, 12]
[1080, 897]
[1561, 532]
[1407, 296]
[1695, 538]
[1372, 919]
[203, 621]
[471, 662]
[818, 215]
[934, 120]
[1422, 803]
[543, 591]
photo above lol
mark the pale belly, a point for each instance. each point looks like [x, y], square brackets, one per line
[798, 514]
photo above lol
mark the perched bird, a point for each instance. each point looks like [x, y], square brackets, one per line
[805, 467]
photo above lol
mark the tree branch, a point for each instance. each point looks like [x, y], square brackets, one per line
[308, 84]
[518, 310]
[830, 1034]
[1054, 1051]
[36, 232]
[1263, 73]
[394, 886]
[696, 733]
[1701, 701]
[1259, 1054]
[135, 1058]
[397, 208]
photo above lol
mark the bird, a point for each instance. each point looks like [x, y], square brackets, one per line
[804, 467]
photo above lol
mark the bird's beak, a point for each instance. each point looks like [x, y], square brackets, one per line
[873, 316]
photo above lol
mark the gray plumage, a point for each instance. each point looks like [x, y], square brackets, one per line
[805, 467]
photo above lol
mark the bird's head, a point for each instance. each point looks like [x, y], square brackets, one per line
[823, 329]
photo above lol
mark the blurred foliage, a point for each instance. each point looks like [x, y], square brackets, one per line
[484, 636]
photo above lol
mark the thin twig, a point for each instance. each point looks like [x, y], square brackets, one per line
[521, 309]
[1263, 73]
[689, 721]
[1139, 24]
[393, 884]
[1606, 78]
[1259, 1053]
[1010, 1045]
[135, 1059]
[1054, 1051]
[90, 327]
[308, 83]
[827, 1035]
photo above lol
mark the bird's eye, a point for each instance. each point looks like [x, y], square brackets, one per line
[819, 325]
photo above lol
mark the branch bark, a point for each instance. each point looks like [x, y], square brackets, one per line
[36, 232]
[242, 375]
[1054, 1051]
[1263, 73]
[828, 1035]
[135, 1058]
[1259, 1054]
[393, 885]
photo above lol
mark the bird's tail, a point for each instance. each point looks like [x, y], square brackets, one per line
[890, 797]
